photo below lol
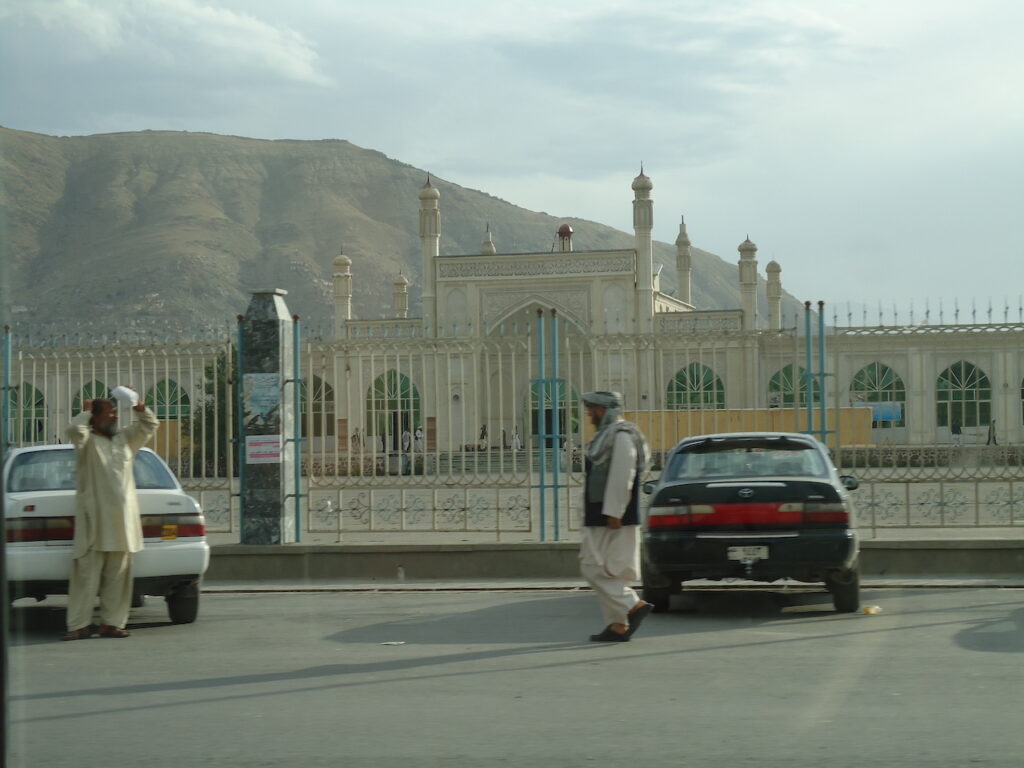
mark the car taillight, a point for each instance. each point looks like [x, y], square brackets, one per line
[831, 512]
[172, 526]
[28, 529]
[675, 516]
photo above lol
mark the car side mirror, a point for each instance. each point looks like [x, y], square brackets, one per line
[648, 486]
[849, 482]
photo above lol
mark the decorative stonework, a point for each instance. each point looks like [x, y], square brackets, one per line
[549, 267]
[574, 304]
[699, 321]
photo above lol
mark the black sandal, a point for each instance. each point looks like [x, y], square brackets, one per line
[609, 635]
[637, 617]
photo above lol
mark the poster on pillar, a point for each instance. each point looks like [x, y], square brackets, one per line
[262, 449]
[261, 403]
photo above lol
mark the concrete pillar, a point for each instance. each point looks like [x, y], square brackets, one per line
[269, 420]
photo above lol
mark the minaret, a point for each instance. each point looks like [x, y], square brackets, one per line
[748, 283]
[400, 297]
[430, 245]
[488, 249]
[684, 267]
[774, 295]
[643, 224]
[342, 293]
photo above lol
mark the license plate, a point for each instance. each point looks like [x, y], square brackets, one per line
[169, 532]
[747, 554]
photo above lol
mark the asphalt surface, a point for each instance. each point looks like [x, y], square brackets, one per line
[493, 677]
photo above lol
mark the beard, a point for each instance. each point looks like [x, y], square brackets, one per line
[109, 429]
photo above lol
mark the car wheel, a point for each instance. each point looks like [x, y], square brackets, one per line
[658, 597]
[845, 589]
[138, 600]
[183, 604]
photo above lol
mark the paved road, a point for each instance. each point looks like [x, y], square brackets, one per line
[508, 679]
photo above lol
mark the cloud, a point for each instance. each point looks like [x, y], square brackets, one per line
[180, 37]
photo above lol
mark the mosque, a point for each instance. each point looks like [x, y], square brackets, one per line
[481, 360]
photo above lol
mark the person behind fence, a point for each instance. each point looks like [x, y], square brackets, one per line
[615, 461]
[957, 432]
[108, 528]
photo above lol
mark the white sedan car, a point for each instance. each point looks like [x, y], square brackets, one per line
[39, 507]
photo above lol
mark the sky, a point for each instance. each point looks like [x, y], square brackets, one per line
[874, 148]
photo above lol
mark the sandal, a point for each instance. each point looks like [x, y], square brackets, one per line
[636, 618]
[108, 630]
[609, 635]
[80, 634]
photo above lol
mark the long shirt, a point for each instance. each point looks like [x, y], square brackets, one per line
[616, 550]
[106, 505]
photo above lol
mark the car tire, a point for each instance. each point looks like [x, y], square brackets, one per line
[658, 597]
[138, 600]
[183, 605]
[845, 589]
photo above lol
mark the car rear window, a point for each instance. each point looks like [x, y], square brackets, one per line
[55, 471]
[746, 458]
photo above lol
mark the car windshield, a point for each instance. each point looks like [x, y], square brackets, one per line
[746, 458]
[55, 471]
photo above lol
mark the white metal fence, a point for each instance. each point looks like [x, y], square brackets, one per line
[415, 439]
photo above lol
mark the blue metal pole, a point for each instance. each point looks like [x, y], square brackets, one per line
[541, 428]
[240, 422]
[556, 401]
[297, 422]
[5, 415]
[807, 376]
[822, 416]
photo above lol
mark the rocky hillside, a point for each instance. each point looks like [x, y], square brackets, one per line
[172, 231]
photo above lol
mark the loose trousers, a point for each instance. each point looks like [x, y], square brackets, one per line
[615, 596]
[106, 573]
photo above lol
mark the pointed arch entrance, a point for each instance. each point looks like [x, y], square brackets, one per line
[393, 406]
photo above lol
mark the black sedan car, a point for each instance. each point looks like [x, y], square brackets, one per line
[759, 505]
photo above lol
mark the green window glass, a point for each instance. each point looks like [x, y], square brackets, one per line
[878, 383]
[695, 388]
[963, 393]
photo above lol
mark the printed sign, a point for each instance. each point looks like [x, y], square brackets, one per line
[262, 449]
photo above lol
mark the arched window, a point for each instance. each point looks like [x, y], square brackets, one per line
[320, 413]
[695, 388]
[28, 413]
[90, 391]
[784, 385]
[168, 400]
[392, 406]
[880, 386]
[963, 393]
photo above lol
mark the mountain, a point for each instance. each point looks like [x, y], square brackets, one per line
[174, 230]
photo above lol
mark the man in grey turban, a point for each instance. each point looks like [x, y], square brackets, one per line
[616, 459]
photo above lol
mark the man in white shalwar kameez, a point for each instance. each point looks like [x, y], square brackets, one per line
[108, 528]
[616, 459]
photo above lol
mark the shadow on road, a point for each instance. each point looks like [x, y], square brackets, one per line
[1005, 635]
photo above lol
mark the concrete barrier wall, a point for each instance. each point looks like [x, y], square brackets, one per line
[237, 562]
